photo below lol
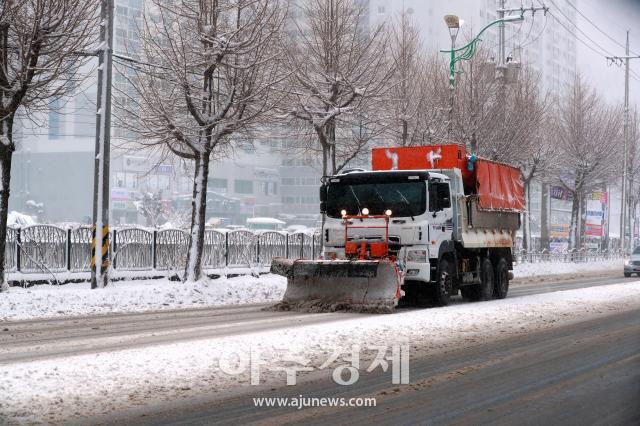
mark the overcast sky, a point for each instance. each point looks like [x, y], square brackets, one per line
[613, 17]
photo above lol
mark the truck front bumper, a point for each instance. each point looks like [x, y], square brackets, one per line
[418, 272]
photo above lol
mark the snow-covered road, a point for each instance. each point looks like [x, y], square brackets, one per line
[60, 387]
[49, 301]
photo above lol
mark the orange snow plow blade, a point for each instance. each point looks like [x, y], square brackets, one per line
[338, 285]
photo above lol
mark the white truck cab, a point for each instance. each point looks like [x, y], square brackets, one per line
[420, 214]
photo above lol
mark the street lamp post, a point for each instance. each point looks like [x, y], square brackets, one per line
[464, 53]
[453, 23]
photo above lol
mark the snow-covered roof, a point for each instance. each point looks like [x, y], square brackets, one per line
[297, 228]
[264, 221]
[17, 219]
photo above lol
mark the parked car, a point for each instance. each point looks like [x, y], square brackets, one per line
[632, 264]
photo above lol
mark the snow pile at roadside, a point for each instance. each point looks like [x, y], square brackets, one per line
[42, 301]
[55, 389]
[522, 270]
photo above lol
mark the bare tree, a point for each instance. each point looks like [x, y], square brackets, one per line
[475, 120]
[151, 207]
[42, 43]
[587, 132]
[206, 73]
[406, 102]
[334, 62]
[356, 134]
[523, 140]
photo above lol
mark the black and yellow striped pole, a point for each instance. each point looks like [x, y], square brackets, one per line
[101, 194]
[103, 253]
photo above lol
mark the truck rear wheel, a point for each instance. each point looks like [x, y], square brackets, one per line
[501, 284]
[486, 280]
[484, 290]
[444, 284]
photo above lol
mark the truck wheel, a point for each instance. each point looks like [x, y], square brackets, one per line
[627, 274]
[484, 290]
[486, 280]
[444, 284]
[501, 284]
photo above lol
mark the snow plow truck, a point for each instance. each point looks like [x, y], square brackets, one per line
[425, 224]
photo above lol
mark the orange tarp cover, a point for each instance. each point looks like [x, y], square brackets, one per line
[499, 186]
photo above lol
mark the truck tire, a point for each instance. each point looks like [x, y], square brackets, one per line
[484, 290]
[486, 280]
[501, 281]
[443, 285]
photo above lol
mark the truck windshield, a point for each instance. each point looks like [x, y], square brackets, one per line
[404, 199]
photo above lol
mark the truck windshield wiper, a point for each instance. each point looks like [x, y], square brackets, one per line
[357, 199]
[407, 203]
[379, 196]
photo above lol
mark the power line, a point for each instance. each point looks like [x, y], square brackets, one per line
[575, 36]
[597, 27]
[579, 30]
[513, 35]
[533, 40]
[544, 26]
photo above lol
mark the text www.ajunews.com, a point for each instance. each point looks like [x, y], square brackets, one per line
[300, 402]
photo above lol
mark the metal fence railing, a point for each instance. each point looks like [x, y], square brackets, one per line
[49, 248]
[581, 255]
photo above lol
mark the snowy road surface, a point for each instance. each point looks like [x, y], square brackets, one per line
[582, 373]
[47, 301]
[71, 368]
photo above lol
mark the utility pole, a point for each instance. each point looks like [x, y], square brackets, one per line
[623, 203]
[501, 67]
[101, 194]
[501, 11]
[501, 77]
[623, 232]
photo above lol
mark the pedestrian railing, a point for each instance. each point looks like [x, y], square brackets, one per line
[51, 249]
[48, 249]
[575, 256]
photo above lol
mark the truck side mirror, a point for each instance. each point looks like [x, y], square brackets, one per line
[323, 207]
[433, 197]
[323, 193]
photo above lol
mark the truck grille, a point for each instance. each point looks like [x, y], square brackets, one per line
[636, 263]
[394, 242]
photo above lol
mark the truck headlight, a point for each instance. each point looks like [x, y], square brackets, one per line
[627, 262]
[419, 256]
